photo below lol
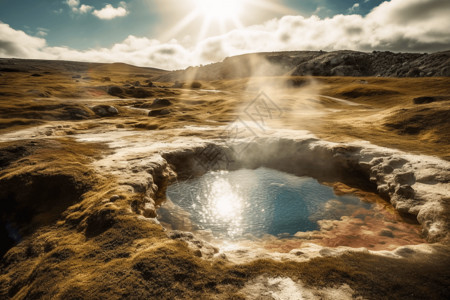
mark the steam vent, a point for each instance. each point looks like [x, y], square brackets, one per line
[207, 149]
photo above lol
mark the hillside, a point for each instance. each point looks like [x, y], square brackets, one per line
[320, 63]
[12, 65]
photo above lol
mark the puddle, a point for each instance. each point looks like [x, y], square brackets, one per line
[258, 202]
[279, 211]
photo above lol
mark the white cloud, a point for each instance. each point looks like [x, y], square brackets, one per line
[398, 25]
[16, 43]
[76, 8]
[109, 12]
[85, 9]
[73, 3]
[354, 8]
[42, 31]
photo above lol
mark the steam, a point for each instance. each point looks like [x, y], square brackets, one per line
[288, 102]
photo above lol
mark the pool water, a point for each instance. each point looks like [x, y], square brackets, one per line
[258, 202]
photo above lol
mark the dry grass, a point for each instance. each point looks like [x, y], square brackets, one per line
[77, 246]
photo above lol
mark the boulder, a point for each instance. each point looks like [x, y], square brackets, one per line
[115, 91]
[78, 113]
[158, 112]
[105, 110]
[139, 92]
[161, 103]
[196, 85]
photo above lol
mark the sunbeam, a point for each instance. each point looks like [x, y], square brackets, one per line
[212, 17]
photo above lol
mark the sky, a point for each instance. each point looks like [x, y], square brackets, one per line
[175, 34]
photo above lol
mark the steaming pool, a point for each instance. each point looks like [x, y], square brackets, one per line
[243, 203]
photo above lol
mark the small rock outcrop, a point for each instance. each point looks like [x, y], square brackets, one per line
[115, 91]
[105, 110]
[139, 93]
[159, 112]
[161, 103]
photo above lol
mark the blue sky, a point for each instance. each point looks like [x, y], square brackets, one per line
[76, 30]
[178, 33]
[84, 30]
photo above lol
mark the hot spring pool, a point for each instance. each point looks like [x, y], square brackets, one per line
[257, 202]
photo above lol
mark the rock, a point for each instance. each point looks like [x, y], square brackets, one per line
[115, 91]
[161, 103]
[137, 83]
[405, 178]
[386, 233]
[296, 252]
[76, 76]
[139, 92]
[397, 162]
[196, 85]
[105, 110]
[176, 234]
[36, 75]
[158, 112]
[200, 248]
[415, 72]
[405, 251]
[301, 63]
[149, 210]
[388, 169]
[383, 191]
[76, 113]
[405, 191]
[106, 79]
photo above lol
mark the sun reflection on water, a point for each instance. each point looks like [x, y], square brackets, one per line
[224, 204]
[248, 204]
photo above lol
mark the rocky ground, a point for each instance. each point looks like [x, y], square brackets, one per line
[321, 63]
[87, 151]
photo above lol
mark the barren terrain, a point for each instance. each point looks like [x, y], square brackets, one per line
[87, 151]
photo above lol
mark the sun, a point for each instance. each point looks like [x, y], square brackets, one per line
[219, 9]
[213, 17]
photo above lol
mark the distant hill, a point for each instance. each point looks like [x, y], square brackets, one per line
[33, 65]
[291, 63]
[320, 63]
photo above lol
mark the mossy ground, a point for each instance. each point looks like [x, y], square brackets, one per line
[78, 245]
